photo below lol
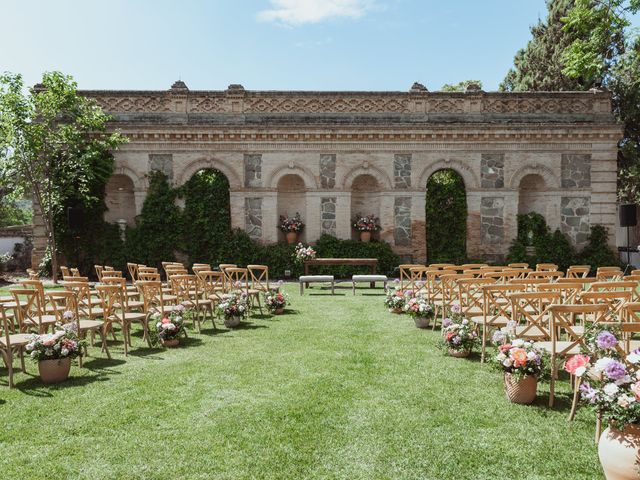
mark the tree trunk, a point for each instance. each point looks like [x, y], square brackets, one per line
[53, 249]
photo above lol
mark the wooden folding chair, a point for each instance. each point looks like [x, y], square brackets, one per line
[472, 266]
[212, 284]
[228, 286]
[568, 291]
[530, 284]
[435, 295]
[133, 271]
[418, 279]
[449, 290]
[99, 269]
[615, 300]
[442, 266]
[154, 299]
[10, 344]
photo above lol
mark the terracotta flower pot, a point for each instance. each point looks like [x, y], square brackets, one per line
[422, 322]
[365, 237]
[521, 391]
[395, 310]
[619, 453]
[459, 353]
[231, 322]
[292, 237]
[54, 371]
[279, 311]
[172, 343]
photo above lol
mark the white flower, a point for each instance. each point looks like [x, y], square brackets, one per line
[518, 342]
[531, 355]
[633, 358]
[625, 400]
[610, 389]
[601, 364]
[580, 371]
[501, 357]
[507, 362]
[64, 352]
[158, 325]
[34, 354]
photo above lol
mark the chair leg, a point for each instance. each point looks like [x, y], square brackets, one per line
[598, 426]
[259, 303]
[333, 288]
[576, 381]
[125, 336]
[301, 288]
[484, 343]
[105, 348]
[21, 353]
[7, 357]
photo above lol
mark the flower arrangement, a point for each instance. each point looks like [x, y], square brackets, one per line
[169, 327]
[63, 343]
[458, 333]
[397, 298]
[291, 224]
[233, 305]
[303, 253]
[519, 358]
[275, 300]
[369, 223]
[419, 307]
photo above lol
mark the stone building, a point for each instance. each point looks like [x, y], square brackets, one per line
[329, 155]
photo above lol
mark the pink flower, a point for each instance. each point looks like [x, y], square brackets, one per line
[576, 362]
[635, 388]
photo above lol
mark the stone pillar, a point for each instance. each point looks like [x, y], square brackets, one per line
[313, 221]
[387, 216]
[343, 215]
[139, 197]
[237, 207]
[402, 221]
[253, 218]
[474, 249]
[492, 227]
[418, 228]
[270, 217]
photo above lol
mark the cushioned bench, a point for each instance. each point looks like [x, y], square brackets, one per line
[372, 279]
[307, 279]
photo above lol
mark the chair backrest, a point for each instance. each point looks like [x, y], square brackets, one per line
[238, 278]
[615, 300]
[532, 308]
[65, 271]
[199, 267]
[69, 303]
[259, 275]
[133, 271]
[531, 284]
[112, 300]
[227, 281]
[29, 306]
[609, 275]
[564, 319]
[418, 278]
[152, 296]
[149, 276]
[6, 328]
[472, 266]
[546, 267]
[470, 293]
[613, 286]
[568, 291]
[550, 274]
[38, 286]
[111, 274]
[450, 287]
[405, 272]
[496, 302]
[578, 271]
[75, 272]
[212, 283]
[143, 269]
[434, 283]
[82, 291]
[518, 265]
[185, 288]
[505, 276]
[99, 269]
[442, 266]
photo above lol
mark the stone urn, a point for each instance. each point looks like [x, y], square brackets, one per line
[292, 237]
[522, 390]
[232, 321]
[54, 371]
[422, 322]
[619, 453]
[171, 343]
[365, 237]
[279, 311]
[459, 353]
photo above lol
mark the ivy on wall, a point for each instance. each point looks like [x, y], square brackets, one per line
[446, 217]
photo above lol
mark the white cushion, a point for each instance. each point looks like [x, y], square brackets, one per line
[316, 278]
[369, 278]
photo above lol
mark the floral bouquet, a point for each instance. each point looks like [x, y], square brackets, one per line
[63, 343]
[291, 224]
[370, 223]
[169, 327]
[519, 358]
[303, 253]
[276, 300]
[233, 305]
[459, 336]
[396, 299]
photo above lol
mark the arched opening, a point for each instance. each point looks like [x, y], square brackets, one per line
[206, 218]
[365, 198]
[446, 217]
[291, 200]
[532, 195]
[120, 200]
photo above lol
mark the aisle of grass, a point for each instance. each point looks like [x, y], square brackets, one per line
[336, 388]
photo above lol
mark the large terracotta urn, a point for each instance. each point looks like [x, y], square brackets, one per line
[365, 237]
[522, 390]
[292, 237]
[619, 453]
[54, 371]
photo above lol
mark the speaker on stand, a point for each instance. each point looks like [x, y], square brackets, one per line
[628, 217]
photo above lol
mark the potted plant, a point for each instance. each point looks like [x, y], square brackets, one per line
[169, 327]
[303, 253]
[420, 310]
[459, 336]
[396, 299]
[611, 386]
[291, 226]
[233, 307]
[366, 226]
[54, 351]
[275, 300]
[521, 364]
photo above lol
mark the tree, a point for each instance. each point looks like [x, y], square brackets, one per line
[462, 86]
[50, 138]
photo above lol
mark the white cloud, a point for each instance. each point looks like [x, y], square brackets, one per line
[298, 12]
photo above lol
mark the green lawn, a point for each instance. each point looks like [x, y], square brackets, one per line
[336, 388]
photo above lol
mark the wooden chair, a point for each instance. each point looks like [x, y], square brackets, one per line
[442, 266]
[470, 295]
[518, 265]
[472, 266]
[578, 271]
[530, 284]
[546, 267]
[418, 278]
[615, 300]
[212, 284]
[228, 286]
[133, 271]
[131, 299]
[10, 344]
[239, 278]
[99, 269]
[568, 291]
[496, 310]
[30, 312]
[154, 298]
[259, 276]
[114, 301]
[65, 272]
[185, 288]
[531, 312]
[549, 274]
[111, 274]
[435, 294]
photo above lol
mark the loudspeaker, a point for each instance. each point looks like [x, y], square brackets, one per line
[627, 214]
[75, 218]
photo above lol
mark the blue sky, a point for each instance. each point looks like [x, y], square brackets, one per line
[266, 44]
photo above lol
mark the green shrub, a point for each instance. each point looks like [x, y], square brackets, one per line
[597, 252]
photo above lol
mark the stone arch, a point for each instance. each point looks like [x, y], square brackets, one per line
[469, 177]
[139, 181]
[291, 199]
[235, 181]
[120, 200]
[532, 194]
[365, 197]
[309, 179]
[384, 182]
[547, 174]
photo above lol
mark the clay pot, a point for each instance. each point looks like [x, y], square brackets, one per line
[459, 353]
[521, 391]
[365, 237]
[171, 343]
[279, 311]
[54, 371]
[292, 237]
[395, 310]
[619, 453]
[422, 322]
[231, 322]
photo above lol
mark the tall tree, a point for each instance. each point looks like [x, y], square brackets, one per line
[462, 86]
[50, 138]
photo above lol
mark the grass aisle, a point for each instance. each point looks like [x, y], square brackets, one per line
[337, 388]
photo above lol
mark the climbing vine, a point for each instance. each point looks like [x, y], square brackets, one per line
[446, 217]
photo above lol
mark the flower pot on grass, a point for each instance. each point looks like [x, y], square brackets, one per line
[279, 311]
[619, 453]
[422, 322]
[172, 343]
[459, 353]
[520, 390]
[232, 321]
[395, 310]
[54, 371]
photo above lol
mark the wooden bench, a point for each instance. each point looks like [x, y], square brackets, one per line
[307, 279]
[372, 279]
[372, 263]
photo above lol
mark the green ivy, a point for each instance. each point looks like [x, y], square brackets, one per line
[446, 217]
